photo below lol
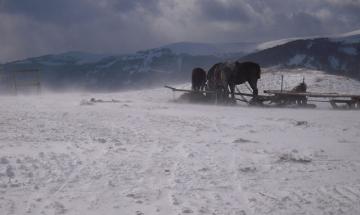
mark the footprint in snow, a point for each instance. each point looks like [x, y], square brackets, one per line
[187, 211]
[242, 140]
[301, 123]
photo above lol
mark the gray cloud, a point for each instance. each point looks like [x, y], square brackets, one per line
[36, 27]
[52, 11]
[126, 5]
[230, 11]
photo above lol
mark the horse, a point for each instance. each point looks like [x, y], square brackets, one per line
[198, 79]
[213, 76]
[223, 76]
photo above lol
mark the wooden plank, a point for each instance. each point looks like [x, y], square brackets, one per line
[341, 101]
[189, 91]
[204, 91]
[310, 94]
[245, 94]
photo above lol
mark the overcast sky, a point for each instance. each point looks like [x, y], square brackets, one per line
[37, 27]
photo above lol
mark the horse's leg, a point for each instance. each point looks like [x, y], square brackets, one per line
[203, 85]
[224, 84]
[253, 85]
[232, 90]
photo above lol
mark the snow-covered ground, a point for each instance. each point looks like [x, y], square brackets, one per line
[143, 154]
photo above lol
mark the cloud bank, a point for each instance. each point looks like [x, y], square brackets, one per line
[36, 27]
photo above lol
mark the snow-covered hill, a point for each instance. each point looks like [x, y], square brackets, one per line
[350, 37]
[224, 49]
[217, 49]
[91, 71]
[73, 57]
[338, 54]
[139, 153]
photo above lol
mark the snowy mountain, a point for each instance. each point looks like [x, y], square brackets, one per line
[173, 62]
[338, 54]
[73, 57]
[350, 37]
[225, 49]
[217, 49]
[105, 72]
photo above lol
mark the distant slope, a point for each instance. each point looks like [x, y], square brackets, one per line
[337, 55]
[218, 49]
[224, 49]
[91, 71]
[350, 37]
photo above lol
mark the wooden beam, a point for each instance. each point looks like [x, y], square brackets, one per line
[189, 91]
[205, 91]
[310, 94]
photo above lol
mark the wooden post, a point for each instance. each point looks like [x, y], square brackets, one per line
[282, 82]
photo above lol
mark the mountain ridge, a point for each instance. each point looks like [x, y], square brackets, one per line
[336, 55]
[339, 54]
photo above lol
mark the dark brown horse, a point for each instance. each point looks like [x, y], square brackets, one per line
[228, 75]
[198, 79]
[214, 76]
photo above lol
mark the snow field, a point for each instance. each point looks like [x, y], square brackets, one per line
[145, 154]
